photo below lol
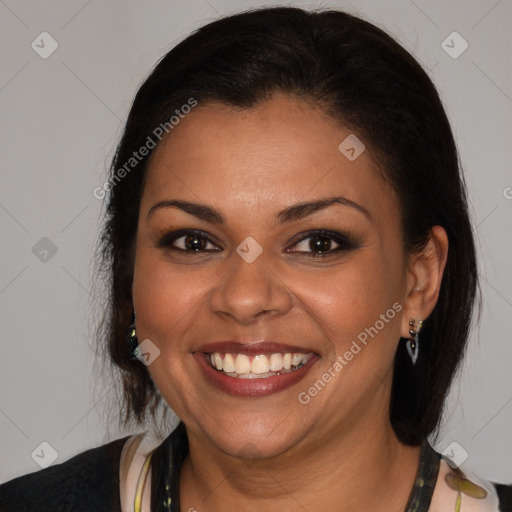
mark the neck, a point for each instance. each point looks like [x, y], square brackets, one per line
[359, 467]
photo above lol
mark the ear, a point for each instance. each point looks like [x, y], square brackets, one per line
[424, 275]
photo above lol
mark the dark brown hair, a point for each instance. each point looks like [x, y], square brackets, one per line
[363, 78]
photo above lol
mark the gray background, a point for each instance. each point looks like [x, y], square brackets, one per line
[60, 120]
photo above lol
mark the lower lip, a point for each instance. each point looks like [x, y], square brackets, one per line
[252, 387]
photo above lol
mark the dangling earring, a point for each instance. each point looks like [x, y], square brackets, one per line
[413, 343]
[131, 338]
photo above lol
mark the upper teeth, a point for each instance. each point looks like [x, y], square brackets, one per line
[259, 364]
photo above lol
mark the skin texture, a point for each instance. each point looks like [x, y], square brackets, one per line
[273, 452]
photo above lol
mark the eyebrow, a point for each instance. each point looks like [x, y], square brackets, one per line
[292, 213]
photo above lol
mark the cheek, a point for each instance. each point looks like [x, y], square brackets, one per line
[357, 302]
[165, 298]
[358, 293]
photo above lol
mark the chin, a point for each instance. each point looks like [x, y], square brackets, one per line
[254, 438]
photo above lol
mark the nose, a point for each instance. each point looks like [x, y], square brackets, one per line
[248, 291]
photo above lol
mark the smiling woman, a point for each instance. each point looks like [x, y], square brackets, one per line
[292, 272]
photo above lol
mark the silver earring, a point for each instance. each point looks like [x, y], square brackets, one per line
[413, 343]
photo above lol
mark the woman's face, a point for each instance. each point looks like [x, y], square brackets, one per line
[258, 287]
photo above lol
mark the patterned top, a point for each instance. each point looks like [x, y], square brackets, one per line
[437, 488]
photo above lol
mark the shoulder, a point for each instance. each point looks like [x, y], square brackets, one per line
[88, 481]
[455, 491]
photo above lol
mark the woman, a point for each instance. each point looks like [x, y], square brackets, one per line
[292, 271]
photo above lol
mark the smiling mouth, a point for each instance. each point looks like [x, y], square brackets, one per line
[261, 366]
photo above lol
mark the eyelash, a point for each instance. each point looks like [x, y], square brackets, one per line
[344, 241]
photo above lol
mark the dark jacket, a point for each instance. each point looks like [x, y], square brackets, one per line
[89, 481]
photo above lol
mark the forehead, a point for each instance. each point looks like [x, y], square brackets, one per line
[281, 151]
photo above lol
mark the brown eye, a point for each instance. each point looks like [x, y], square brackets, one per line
[320, 243]
[187, 241]
[194, 242]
